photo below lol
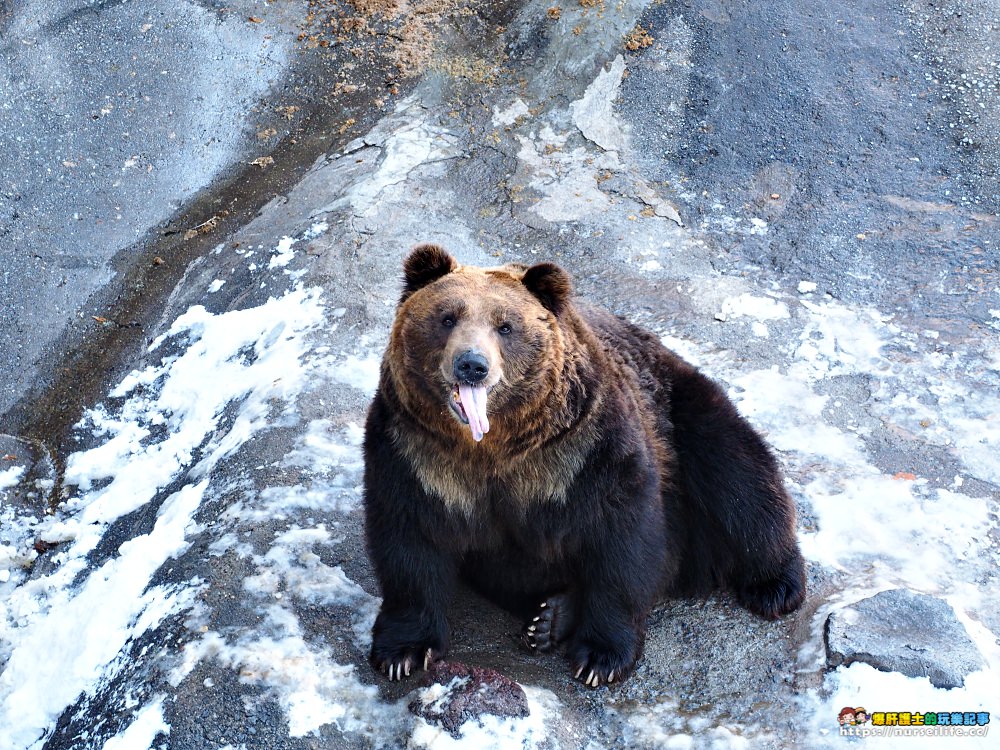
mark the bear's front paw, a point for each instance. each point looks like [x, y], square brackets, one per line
[551, 626]
[603, 664]
[778, 596]
[403, 642]
[399, 663]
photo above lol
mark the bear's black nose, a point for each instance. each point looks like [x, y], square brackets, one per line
[471, 367]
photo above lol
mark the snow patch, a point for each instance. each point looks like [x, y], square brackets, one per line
[863, 685]
[310, 686]
[10, 477]
[292, 567]
[84, 630]
[357, 372]
[282, 255]
[761, 308]
[837, 340]
[216, 385]
[880, 528]
[144, 729]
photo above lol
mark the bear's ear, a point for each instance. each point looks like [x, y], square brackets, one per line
[425, 263]
[550, 284]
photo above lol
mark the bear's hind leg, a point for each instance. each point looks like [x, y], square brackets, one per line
[778, 595]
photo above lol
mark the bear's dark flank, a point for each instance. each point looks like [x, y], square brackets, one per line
[733, 499]
[738, 520]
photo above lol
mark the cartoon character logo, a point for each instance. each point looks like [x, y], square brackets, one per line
[846, 717]
[860, 715]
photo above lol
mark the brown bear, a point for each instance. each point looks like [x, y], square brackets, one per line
[565, 464]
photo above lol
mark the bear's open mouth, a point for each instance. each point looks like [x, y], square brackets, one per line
[469, 403]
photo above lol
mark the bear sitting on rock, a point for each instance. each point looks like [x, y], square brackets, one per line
[565, 464]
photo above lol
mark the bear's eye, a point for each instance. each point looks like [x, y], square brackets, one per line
[505, 329]
[448, 321]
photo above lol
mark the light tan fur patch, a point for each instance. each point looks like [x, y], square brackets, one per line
[463, 476]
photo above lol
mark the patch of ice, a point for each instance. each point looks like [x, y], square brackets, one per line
[949, 412]
[283, 502]
[926, 533]
[215, 286]
[566, 179]
[412, 143]
[838, 340]
[594, 112]
[662, 724]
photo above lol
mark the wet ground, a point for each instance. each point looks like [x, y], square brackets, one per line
[138, 137]
[800, 196]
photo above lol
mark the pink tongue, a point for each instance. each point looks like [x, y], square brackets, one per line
[474, 402]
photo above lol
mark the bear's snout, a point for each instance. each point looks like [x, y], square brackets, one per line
[471, 367]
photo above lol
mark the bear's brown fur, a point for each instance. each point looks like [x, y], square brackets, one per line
[562, 461]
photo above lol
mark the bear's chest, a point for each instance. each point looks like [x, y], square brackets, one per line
[469, 481]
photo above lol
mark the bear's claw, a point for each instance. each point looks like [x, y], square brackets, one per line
[594, 679]
[597, 675]
[549, 627]
[400, 668]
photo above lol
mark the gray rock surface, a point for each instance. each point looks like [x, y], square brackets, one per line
[903, 631]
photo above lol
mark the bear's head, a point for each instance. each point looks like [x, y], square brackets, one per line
[473, 343]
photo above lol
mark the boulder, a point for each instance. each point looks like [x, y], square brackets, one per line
[903, 631]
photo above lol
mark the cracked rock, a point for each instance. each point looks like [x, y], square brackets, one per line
[902, 631]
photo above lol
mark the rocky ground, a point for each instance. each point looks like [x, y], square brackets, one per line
[797, 197]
